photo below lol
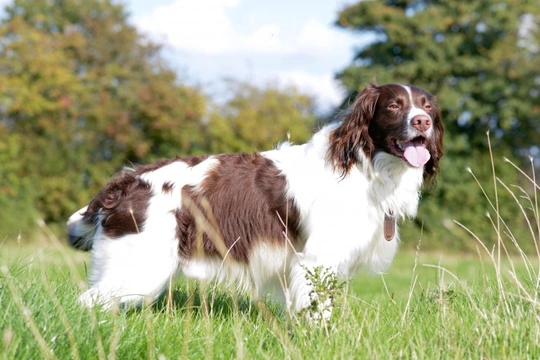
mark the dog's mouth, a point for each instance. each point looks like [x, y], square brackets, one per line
[413, 151]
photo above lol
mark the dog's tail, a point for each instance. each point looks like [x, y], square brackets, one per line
[80, 231]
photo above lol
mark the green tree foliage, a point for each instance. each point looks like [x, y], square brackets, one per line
[81, 94]
[17, 195]
[481, 60]
[257, 119]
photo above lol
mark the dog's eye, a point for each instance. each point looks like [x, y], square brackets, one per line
[393, 107]
[427, 106]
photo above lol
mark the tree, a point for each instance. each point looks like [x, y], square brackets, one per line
[84, 94]
[257, 119]
[17, 195]
[480, 59]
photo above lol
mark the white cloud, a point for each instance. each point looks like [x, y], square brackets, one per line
[242, 39]
[267, 39]
[327, 90]
[204, 26]
[316, 36]
[198, 26]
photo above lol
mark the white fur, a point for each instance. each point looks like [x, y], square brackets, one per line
[414, 112]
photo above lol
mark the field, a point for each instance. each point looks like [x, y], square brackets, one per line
[428, 306]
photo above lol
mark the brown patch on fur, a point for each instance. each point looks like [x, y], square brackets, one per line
[352, 135]
[167, 187]
[122, 205]
[245, 195]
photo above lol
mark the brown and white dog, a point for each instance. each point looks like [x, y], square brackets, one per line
[260, 221]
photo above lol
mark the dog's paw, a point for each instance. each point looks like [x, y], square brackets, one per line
[94, 297]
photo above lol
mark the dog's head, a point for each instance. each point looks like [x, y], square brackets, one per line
[403, 121]
[118, 209]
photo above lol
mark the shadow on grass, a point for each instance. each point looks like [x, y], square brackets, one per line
[216, 303]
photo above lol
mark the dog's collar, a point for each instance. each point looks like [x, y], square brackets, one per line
[389, 227]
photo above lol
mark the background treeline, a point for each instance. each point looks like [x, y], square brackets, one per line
[82, 94]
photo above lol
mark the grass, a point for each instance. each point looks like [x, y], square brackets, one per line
[428, 306]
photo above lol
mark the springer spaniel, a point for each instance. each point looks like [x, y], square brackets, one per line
[262, 221]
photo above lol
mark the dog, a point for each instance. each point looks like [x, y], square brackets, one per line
[259, 222]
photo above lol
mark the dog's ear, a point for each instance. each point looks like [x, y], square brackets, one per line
[352, 135]
[435, 147]
[123, 204]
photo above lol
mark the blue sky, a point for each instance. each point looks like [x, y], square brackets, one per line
[292, 42]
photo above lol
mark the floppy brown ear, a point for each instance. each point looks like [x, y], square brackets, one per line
[435, 148]
[123, 203]
[352, 135]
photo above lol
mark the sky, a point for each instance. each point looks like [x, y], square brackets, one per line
[291, 42]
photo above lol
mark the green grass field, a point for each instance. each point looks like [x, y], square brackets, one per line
[428, 306]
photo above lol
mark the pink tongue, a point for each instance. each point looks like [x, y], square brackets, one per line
[416, 154]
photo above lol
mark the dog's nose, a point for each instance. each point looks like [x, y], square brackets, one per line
[421, 123]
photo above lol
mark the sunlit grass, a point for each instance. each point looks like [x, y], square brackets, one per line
[448, 306]
[428, 306]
